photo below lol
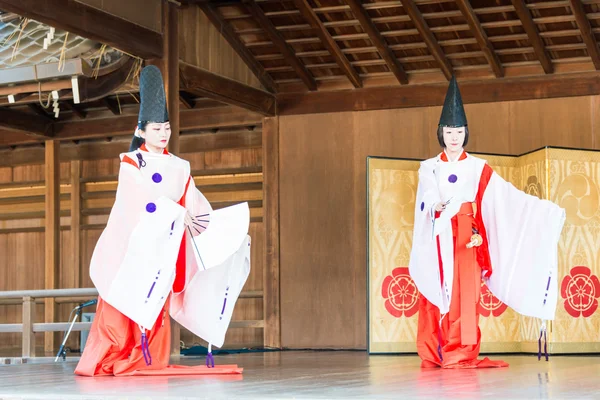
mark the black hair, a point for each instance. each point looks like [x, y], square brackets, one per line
[440, 136]
[137, 141]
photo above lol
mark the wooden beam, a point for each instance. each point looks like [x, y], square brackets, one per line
[216, 117]
[112, 105]
[97, 150]
[91, 23]
[225, 29]
[378, 41]
[278, 40]
[432, 44]
[41, 111]
[534, 35]
[494, 90]
[11, 138]
[52, 234]
[586, 31]
[187, 100]
[202, 82]
[75, 219]
[29, 123]
[313, 20]
[191, 120]
[28, 88]
[481, 37]
[271, 299]
[75, 109]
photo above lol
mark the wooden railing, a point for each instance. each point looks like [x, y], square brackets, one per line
[29, 327]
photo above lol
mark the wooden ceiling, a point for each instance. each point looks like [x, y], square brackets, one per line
[307, 45]
[326, 56]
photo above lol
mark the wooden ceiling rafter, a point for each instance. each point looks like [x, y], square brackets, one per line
[374, 35]
[286, 50]
[481, 37]
[75, 109]
[202, 82]
[396, 4]
[236, 43]
[430, 41]
[510, 38]
[313, 20]
[587, 33]
[532, 31]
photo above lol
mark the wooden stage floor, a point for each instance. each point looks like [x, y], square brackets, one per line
[318, 375]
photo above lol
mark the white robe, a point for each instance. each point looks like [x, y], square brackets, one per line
[522, 236]
[134, 263]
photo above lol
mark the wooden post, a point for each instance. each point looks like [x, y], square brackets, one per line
[169, 67]
[171, 46]
[175, 338]
[28, 321]
[170, 70]
[272, 330]
[52, 234]
[76, 221]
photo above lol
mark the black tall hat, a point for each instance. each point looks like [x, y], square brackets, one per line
[453, 113]
[153, 103]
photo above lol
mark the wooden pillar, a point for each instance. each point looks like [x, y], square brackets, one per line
[76, 221]
[28, 321]
[175, 338]
[270, 142]
[170, 69]
[171, 46]
[52, 234]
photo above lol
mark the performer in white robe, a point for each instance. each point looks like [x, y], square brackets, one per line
[470, 223]
[144, 264]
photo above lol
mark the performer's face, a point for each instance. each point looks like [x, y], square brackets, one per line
[157, 135]
[454, 138]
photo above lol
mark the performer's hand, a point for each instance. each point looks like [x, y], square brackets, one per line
[197, 223]
[476, 241]
[188, 218]
[441, 206]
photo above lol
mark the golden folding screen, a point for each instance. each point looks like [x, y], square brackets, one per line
[570, 178]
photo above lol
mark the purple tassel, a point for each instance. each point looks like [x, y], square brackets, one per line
[210, 361]
[146, 350]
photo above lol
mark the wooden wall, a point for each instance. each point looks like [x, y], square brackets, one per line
[22, 235]
[323, 196]
[202, 45]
